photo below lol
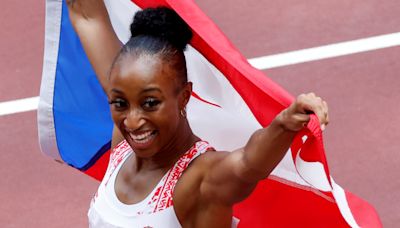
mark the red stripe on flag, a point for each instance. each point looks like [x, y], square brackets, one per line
[313, 146]
[274, 204]
[205, 101]
[364, 214]
[98, 169]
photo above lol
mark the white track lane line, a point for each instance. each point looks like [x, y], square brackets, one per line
[328, 51]
[263, 63]
[17, 106]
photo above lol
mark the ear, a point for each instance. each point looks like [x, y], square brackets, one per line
[185, 95]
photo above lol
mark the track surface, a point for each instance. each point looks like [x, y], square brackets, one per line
[362, 91]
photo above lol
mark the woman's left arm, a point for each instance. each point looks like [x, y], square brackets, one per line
[235, 175]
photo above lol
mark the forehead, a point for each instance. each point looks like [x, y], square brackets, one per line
[140, 72]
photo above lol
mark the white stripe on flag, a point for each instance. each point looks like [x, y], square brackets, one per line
[263, 63]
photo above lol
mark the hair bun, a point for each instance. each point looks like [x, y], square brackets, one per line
[163, 23]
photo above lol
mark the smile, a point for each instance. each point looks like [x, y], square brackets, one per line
[142, 140]
[142, 137]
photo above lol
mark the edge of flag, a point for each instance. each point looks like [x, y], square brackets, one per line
[45, 118]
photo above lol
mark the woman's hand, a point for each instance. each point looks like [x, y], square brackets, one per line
[296, 116]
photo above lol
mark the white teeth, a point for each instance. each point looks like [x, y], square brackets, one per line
[141, 137]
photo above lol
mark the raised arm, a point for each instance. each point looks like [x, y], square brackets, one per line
[92, 24]
[233, 176]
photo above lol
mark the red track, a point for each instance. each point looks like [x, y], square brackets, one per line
[362, 91]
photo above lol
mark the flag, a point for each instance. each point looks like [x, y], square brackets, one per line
[230, 100]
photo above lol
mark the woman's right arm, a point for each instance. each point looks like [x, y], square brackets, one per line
[92, 24]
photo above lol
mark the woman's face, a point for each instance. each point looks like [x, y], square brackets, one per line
[145, 100]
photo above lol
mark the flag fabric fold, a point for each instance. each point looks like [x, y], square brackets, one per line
[231, 99]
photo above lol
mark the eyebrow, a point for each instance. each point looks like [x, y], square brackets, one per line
[151, 89]
[116, 91]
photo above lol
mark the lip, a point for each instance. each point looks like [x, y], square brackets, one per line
[141, 140]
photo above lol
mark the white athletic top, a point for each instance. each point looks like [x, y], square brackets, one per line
[156, 210]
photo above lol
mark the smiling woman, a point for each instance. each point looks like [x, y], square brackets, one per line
[149, 182]
[147, 102]
[149, 87]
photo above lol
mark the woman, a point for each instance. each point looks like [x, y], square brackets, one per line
[149, 182]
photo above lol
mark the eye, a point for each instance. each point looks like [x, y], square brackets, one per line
[118, 103]
[150, 104]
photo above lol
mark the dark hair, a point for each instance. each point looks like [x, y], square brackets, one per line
[159, 31]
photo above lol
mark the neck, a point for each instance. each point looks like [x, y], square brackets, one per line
[181, 142]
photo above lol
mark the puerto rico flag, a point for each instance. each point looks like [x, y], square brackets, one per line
[231, 99]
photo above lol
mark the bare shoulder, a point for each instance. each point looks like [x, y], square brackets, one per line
[200, 167]
[208, 159]
[189, 201]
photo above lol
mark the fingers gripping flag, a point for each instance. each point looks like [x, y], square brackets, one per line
[230, 100]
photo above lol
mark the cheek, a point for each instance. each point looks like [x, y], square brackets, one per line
[169, 117]
[117, 117]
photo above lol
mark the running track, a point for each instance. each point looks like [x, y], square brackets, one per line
[362, 90]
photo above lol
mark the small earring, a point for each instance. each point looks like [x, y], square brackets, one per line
[183, 112]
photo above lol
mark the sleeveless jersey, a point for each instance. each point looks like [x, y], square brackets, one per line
[156, 210]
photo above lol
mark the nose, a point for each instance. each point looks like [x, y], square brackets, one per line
[134, 120]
